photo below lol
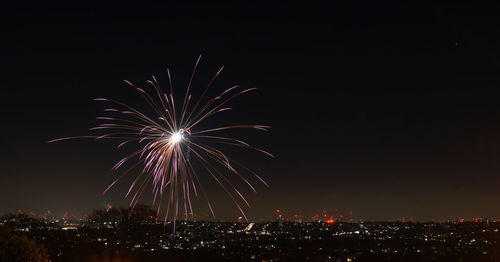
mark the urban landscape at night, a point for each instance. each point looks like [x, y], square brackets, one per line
[267, 131]
[114, 235]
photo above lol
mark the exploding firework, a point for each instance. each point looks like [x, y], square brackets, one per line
[173, 150]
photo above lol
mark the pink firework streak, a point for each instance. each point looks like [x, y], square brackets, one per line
[169, 143]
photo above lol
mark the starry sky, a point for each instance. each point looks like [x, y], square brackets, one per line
[387, 110]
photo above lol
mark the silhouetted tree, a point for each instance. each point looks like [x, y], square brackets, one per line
[124, 217]
[16, 247]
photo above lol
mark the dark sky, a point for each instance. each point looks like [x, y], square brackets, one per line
[385, 109]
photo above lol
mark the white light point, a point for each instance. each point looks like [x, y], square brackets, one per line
[176, 137]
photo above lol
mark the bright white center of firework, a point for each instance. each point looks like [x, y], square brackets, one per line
[176, 137]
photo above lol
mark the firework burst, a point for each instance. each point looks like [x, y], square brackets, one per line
[172, 150]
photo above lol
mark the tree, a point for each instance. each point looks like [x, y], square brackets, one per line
[17, 247]
[124, 217]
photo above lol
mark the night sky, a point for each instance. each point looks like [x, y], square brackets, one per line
[387, 109]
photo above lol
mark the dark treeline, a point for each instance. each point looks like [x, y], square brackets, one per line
[19, 247]
[139, 215]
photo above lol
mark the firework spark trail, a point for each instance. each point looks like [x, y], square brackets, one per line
[170, 143]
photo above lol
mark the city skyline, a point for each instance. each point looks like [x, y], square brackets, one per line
[323, 215]
[114, 234]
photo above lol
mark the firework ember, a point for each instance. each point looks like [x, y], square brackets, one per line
[172, 150]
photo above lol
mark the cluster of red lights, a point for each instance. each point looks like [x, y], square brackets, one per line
[329, 220]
